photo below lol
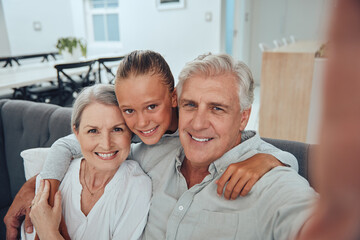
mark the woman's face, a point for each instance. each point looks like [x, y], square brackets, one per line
[147, 106]
[103, 136]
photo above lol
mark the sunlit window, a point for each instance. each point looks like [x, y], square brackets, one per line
[103, 20]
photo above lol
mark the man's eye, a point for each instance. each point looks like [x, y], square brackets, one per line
[188, 105]
[218, 109]
[151, 107]
[92, 131]
[128, 111]
[118, 129]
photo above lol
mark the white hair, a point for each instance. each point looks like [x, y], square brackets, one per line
[100, 93]
[210, 65]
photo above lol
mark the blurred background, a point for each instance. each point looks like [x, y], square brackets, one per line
[179, 30]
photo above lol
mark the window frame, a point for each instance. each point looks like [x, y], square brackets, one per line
[89, 12]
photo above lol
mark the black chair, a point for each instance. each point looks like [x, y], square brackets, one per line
[71, 78]
[8, 61]
[44, 57]
[108, 69]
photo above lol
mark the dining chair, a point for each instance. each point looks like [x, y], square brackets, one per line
[71, 78]
[277, 43]
[108, 64]
[285, 41]
[292, 39]
[264, 47]
[43, 56]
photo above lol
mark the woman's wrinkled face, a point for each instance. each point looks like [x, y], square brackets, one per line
[103, 136]
[147, 106]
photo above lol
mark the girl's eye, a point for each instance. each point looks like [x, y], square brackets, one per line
[92, 131]
[118, 129]
[152, 107]
[128, 111]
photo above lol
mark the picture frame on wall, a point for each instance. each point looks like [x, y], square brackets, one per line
[170, 4]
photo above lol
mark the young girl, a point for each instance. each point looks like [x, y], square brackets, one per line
[147, 98]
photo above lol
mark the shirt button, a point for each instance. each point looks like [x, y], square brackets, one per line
[221, 170]
[181, 208]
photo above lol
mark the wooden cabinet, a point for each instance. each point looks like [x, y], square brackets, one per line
[287, 94]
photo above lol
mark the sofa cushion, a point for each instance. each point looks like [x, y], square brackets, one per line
[5, 198]
[34, 159]
[29, 125]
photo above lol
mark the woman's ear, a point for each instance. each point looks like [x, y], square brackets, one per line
[75, 131]
[174, 102]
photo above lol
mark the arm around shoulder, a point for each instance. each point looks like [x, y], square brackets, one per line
[59, 157]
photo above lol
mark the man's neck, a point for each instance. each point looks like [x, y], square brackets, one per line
[193, 174]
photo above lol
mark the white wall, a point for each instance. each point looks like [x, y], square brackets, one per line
[4, 40]
[179, 34]
[55, 18]
[275, 19]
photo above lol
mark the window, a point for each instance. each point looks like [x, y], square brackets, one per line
[103, 20]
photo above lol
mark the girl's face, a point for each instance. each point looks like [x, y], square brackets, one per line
[104, 141]
[147, 106]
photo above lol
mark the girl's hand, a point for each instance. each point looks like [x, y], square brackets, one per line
[46, 219]
[241, 177]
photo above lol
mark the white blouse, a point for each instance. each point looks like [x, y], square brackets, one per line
[120, 213]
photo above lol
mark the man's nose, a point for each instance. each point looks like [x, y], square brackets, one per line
[200, 119]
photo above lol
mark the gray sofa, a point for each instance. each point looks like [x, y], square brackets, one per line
[25, 124]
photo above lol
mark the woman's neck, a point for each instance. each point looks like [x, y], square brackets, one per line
[96, 178]
[93, 184]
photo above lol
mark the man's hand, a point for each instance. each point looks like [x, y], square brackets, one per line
[241, 177]
[19, 209]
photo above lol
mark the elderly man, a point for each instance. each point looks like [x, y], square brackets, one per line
[215, 97]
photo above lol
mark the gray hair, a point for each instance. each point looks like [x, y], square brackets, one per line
[210, 65]
[100, 93]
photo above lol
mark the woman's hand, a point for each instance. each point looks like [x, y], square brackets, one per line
[241, 177]
[46, 219]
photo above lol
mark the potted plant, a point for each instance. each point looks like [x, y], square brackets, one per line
[71, 48]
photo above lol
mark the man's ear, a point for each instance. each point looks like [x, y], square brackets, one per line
[245, 115]
[174, 102]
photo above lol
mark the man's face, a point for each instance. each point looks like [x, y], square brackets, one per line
[210, 120]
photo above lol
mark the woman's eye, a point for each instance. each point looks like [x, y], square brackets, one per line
[92, 131]
[152, 107]
[118, 129]
[128, 111]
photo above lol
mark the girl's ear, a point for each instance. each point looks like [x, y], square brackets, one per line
[174, 102]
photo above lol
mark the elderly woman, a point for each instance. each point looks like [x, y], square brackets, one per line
[103, 196]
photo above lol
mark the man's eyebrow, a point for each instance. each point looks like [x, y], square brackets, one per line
[217, 104]
[186, 100]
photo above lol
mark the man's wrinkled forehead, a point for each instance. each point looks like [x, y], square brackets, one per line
[217, 82]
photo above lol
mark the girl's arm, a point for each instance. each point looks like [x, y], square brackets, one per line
[240, 177]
